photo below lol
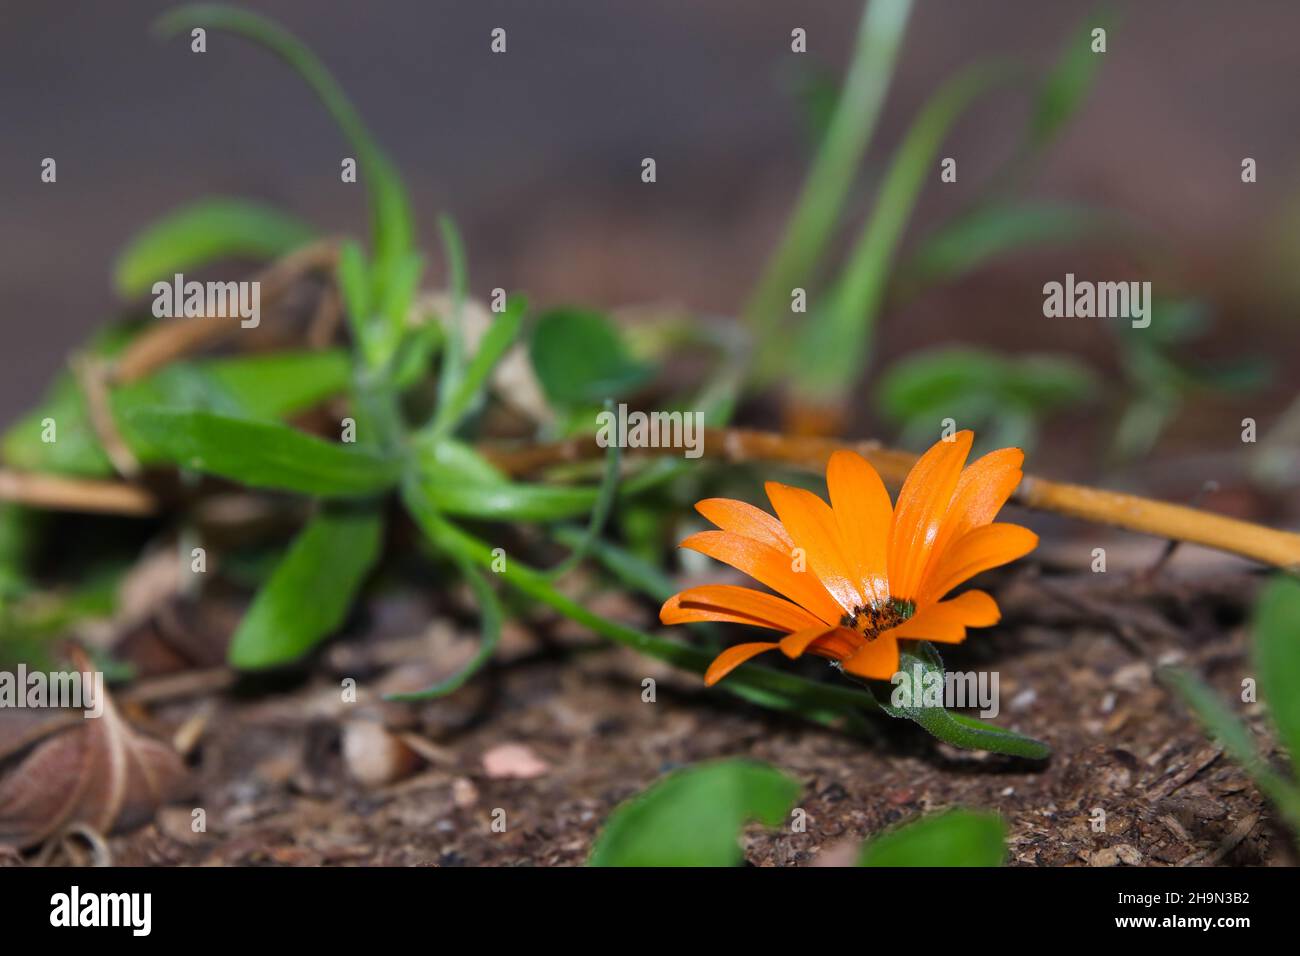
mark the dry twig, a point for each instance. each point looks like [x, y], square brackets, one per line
[1113, 508]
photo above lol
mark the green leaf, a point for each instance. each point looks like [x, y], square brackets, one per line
[204, 232]
[834, 351]
[1003, 397]
[501, 334]
[955, 838]
[353, 277]
[448, 461]
[1068, 84]
[75, 451]
[580, 358]
[826, 188]
[907, 700]
[490, 619]
[308, 596]
[275, 384]
[267, 386]
[508, 501]
[1222, 724]
[693, 817]
[389, 207]
[1277, 656]
[453, 353]
[265, 455]
[954, 376]
[971, 240]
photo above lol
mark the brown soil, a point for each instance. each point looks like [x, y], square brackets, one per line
[1076, 655]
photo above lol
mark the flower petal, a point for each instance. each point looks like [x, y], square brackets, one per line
[863, 513]
[982, 490]
[728, 602]
[946, 622]
[876, 660]
[793, 645]
[922, 506]
[978, 550]
[768, 566]
[733, 657]
[813, 527]
[742, 518]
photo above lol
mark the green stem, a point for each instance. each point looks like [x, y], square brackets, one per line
[809, 696]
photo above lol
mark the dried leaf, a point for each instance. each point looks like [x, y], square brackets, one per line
[96, 772]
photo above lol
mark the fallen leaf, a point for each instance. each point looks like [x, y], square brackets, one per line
[92, 772]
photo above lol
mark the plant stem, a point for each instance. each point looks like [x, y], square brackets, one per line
[747, 681]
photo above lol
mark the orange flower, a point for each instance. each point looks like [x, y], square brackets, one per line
[866, 574]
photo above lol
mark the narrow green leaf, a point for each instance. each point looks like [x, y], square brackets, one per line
[993, 391]
[822, 199]
[581, 359]
[1277, 656]
[954, 838]
[276, 384]
[1068, 84]
[600, 512]
[389, 207]
[907, 700]
[509, 501]
[693, 817]
[264, 386]
[308, 596]
[632, 571]
[835, 349]
[353, 277]
[453, 353]
[490, 620]
[415, 354]
[501, 334]
[1224, 726]
[202, 232]
[264, 455]
[989, 231]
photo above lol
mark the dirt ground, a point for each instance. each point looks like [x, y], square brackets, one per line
[1076, 655]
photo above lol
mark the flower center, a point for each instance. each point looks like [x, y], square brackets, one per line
[872, 620]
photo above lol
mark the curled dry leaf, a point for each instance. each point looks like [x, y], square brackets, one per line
[92, 772]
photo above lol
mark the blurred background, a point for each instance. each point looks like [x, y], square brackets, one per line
[537, 154]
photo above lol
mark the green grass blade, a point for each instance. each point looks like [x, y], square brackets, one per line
[839, 336]
[604, 504]
[498, 339]
[955, 838]
[264, 455]
[1067, 86]
[393, 233]
[267, 386]
[490, 620]
[204, 232]
[1222, 724]
[968, 242]
[308, 595]
[880, 35]
[1277, 658]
